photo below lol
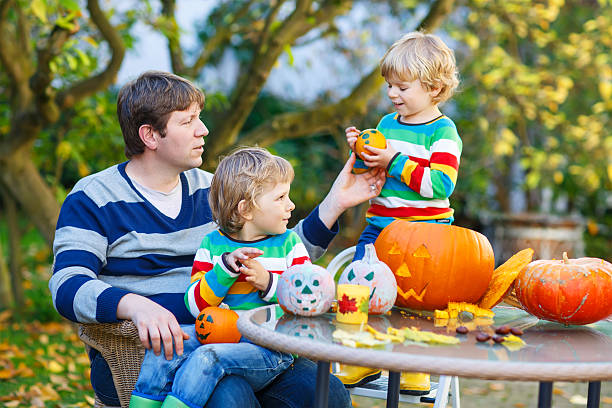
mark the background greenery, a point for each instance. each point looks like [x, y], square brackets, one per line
[533, 111]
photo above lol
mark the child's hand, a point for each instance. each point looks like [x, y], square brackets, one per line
[378, 157]
[241, 255]
[257, 275]
[351, 136]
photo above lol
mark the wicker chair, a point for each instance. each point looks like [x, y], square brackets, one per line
[120, 346]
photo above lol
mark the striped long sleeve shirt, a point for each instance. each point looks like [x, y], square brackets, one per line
[421, 176]
[111, 241]
[214, 282]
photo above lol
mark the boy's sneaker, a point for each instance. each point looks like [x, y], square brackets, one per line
[355, 376]
[414, 384]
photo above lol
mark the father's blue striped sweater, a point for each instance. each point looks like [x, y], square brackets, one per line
[111, 241]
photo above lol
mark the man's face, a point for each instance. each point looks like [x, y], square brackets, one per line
[183, 145]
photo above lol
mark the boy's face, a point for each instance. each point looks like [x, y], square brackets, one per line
[412, 101]
[274, 210]
[183, 145]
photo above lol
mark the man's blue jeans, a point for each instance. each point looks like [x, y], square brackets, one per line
[193, 376]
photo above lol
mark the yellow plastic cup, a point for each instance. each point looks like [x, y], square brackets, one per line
[353, 303]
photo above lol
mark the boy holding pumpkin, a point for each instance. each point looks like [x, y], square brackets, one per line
[249, 200]
[422, 152]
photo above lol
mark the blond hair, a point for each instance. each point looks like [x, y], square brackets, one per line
[244, 175]
[424, 57]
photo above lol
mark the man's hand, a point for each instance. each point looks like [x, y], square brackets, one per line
[241, 255]
[349, 190]
[351, 136]
[156, 325]
[257, 275]
[378, 157]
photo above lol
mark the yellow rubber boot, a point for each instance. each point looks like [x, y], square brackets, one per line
[414, 383]
[355, 376]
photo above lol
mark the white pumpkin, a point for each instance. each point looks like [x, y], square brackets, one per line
[375, 274]
[306, 290]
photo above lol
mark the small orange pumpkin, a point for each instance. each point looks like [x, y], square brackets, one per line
[435, 263]
[569, 291]
[217, 325]
[369, 137]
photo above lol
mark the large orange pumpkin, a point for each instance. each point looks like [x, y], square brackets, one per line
[569, 291]
[217, 325]
[435, 263]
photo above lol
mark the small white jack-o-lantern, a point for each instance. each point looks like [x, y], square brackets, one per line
[306, 290]
[376, 275]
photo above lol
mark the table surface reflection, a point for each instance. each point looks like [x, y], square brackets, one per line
[553, 352]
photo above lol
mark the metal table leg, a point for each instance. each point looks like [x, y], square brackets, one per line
[545, 395]
[393, 389]
[594, 393]
[322, 390]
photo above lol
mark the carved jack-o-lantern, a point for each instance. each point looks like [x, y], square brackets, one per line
[217, 325]
[435, 263]
[376, 275]
[306, 290]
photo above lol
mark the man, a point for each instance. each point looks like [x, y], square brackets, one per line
[126, 236]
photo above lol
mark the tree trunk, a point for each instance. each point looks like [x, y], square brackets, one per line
[15, 258]
[35, 197]
[6, 296]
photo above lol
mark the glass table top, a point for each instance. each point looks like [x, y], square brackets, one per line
[549, 347]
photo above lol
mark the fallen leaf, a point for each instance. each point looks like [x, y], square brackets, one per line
[7, 374]
[55, 367]
[496, 386]
[519, 405]
[578, 400]
[11, 404]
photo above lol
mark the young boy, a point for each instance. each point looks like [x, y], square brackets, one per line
[423, 147]
[237, 264]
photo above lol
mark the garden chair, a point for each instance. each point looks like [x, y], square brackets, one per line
[378, 389]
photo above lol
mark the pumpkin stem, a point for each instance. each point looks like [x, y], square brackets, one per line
[565, 258]
[370, 254]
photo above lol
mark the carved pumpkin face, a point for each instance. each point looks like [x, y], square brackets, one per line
[376, 275]
[306, 290]
[305, 327]
[435, 263]
[217, 325]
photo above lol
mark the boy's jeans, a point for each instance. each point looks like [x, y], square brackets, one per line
[193, 376]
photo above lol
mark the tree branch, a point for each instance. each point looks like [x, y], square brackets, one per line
[173, 35]
[252, 81]
[222, 35]
[10, 56]
[101, 81]
[326, 118]
[437, 13]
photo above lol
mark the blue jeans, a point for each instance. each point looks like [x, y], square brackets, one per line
[294, 388]
[193, 376]
[370, 233]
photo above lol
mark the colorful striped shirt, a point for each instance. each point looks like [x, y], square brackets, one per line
[214, 282]
[111, 241]
[423, 173]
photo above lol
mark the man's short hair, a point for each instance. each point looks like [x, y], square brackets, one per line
[150, 99]
[424, 57]
[244, 175]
